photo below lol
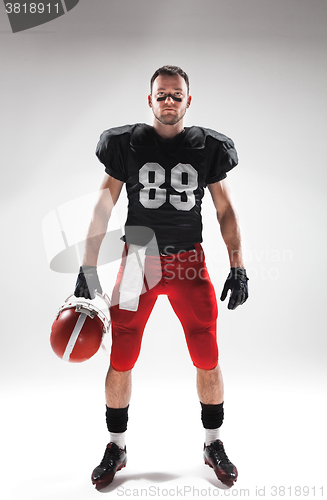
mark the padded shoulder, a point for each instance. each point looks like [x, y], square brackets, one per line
[111, 150]
[138, 134]
[225, 144]
[116, 131]
[216, 135]
[141, 135]
[197, 137]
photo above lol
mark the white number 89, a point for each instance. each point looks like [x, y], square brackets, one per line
[184, 179]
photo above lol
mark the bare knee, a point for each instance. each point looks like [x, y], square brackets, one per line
[118, 388]
[210, 385]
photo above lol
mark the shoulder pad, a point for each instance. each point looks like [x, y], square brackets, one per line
[197, 137]
[111, 139]
[116, 131]
[216, 135]
[139, 133]
[142, 134]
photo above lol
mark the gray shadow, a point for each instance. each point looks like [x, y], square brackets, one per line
[159, 477]
[155, 477]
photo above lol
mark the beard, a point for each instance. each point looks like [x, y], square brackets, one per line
[170, 118]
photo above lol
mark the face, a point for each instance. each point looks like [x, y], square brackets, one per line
[168, 111]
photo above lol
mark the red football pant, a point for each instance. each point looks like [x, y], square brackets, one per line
[186, 283]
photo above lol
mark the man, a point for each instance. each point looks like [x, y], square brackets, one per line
[166, 168]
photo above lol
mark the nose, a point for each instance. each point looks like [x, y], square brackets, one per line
[171, 100]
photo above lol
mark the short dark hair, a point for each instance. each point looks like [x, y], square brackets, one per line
[170, 71]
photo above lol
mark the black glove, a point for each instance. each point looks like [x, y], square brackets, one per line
[237, 282]
[87, 282]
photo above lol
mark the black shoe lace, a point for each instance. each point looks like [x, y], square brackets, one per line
[109, 456]
[219, 452]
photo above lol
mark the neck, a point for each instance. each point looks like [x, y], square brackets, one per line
[168, 131]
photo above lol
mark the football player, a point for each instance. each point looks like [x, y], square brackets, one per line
[166, 168]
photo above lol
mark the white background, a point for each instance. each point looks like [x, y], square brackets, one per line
[258, 74]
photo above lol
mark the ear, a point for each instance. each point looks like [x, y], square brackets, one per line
[150, 101]
[189, 99]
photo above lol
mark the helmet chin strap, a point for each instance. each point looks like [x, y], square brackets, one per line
[163, 98]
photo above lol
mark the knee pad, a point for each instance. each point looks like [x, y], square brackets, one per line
[203, 349]
[125, 349]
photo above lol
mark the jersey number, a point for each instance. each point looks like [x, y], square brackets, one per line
[184, 179]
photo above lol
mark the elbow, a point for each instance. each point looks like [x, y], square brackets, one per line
[228, 214]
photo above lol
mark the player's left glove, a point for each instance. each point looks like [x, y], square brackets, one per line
[237, 283]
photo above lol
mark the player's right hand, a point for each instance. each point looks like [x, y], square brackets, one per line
[87, 282]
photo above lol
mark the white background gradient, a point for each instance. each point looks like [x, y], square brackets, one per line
[258, 74]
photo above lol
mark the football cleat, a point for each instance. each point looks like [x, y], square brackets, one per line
[215, 456]
[114, 459]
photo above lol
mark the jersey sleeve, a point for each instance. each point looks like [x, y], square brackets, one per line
[111, 152]
[223, 157]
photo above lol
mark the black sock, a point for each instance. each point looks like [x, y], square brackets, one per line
[116, 419]
[212, 416]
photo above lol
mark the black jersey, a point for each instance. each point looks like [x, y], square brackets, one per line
[165, 178]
